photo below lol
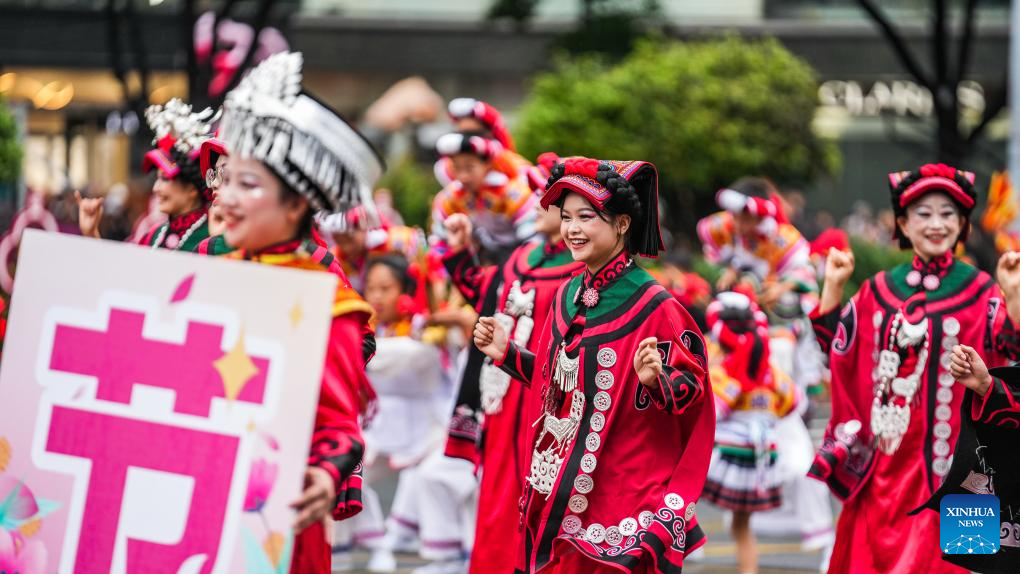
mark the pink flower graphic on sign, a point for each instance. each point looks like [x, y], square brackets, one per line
[20, 555]
[260, 484]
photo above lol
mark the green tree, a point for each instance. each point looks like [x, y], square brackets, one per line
[413, 186]
[705, 113]
[10, 146]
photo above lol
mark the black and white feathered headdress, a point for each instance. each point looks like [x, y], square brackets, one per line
[310, 147]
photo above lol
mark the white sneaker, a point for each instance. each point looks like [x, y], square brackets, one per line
[382, 561]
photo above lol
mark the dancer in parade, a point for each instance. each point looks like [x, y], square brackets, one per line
[751, 396]
[180, 187]
[621, 368]
[895, 407]
[502, 206]
[491, 423]
[290, 156]
[985, 461]
[751, 239]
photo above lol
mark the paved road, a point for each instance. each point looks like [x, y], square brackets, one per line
[777, 555]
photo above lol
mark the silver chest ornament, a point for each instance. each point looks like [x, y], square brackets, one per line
[890, 410]
[517, 320]
[546, 462]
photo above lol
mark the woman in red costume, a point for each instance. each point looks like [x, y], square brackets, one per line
[895, 407]
[289, 157]
[491, 423]
[624, 440]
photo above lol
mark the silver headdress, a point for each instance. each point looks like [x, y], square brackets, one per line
[307, 144]
[175, 119]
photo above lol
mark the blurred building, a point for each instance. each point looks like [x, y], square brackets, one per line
[57, 61]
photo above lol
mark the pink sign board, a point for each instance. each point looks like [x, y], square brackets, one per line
[156, 409]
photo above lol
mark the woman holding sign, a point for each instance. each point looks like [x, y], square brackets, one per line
[895, 407]
[291, 156]
[623, 442]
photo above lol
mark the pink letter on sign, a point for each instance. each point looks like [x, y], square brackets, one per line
[118, 443]
[121, 358]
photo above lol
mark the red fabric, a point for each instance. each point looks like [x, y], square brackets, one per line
[581, 166]
[312, 554]
[875, 533]
[506, 450]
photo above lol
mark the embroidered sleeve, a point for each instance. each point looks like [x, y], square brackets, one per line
[825, 326]
[684, 373]
[1000, 406]
[1007, 340]
[470, 279]
[337, 444]
[518, 363]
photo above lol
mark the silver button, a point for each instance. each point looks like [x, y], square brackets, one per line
[690, 512]
[944, 395]
[951, 326]
[944, 360]
[602, 401]
[604, 380]
[588, 462]
[628, 526]
[946, 380]
[598, 422]
[940, 467]
[593, 441]
[578, 503]
[941, 448]
[876, 319]
[942, 430]
[583, 483]
[606, 358]
[571, 524]
[596, 534]
[943, 413]
[645, 519]
[674, 501]
[948, 343]
[613, 536]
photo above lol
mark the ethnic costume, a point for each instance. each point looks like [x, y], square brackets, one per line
[751, 396]
[985, 462]
[492, 417]
[502, 210]
[596, 499]
[895, 406]
[179, 135]
[776, 252]
[314, 152]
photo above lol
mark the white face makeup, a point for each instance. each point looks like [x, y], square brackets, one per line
[932, 224]
[253, 214]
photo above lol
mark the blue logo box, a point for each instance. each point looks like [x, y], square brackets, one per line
[969, 524]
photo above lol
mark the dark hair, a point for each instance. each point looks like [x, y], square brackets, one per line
[753, 186]
[290, 196]
[398, 265]
[623, 198]
[191, 172]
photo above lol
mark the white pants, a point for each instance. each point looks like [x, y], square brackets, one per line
[436, 501]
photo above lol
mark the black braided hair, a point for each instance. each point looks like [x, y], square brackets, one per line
[191, 172]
